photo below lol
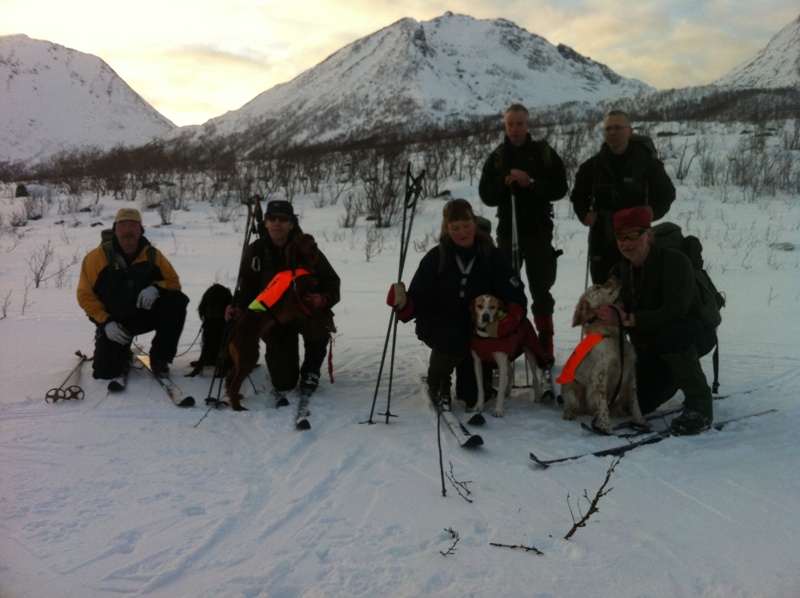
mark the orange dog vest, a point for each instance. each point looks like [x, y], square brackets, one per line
[586, 345]
[276, 288]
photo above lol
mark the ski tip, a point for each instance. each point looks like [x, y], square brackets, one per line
[473, 441]
[538, 461]
[303, 424]
[477, 420]
[186, 402]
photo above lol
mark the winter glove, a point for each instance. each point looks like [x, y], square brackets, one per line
[147, 297]
[397, 296]
[315, 300]
[117, 333]
[508, 323]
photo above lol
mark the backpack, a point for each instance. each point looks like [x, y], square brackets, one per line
[647, 142]
[710, 300]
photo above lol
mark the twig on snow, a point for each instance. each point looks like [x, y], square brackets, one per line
[592, 503]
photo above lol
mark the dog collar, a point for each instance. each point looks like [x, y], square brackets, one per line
[276, 288]
[583, 348]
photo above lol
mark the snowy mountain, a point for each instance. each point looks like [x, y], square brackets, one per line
[777, 65]
[55, 98]
[413, 75]
[408, 77]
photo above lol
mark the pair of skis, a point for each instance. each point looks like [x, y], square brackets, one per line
[462, 434]
[302, 421]
[172, 390]
[649, 439]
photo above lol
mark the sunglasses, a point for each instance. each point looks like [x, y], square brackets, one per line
[278, 217]
[631, 235]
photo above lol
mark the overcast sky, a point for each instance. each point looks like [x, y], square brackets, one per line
[193, 60]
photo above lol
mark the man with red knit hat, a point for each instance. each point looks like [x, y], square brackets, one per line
[660, 313]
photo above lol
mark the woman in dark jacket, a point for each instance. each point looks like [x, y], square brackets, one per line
[464, 265]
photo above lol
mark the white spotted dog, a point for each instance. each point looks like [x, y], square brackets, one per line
[485, 310]
[601, 364]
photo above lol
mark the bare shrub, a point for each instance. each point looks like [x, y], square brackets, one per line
[373, 244]
[352, 210]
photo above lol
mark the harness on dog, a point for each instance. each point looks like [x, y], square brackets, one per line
[276, 288]
[583, 348]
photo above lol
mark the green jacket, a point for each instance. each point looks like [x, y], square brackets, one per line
[660, 293]
[548, 183]
[606, 183]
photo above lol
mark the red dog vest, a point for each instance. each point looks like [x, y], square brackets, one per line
[524, 336]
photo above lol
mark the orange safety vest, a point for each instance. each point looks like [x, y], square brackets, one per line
[583, 348]
[276, 288]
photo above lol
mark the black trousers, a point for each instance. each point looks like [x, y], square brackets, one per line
[166, 318]
[683, 342]
[283, 352]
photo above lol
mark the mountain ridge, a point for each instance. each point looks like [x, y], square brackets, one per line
[402, 80]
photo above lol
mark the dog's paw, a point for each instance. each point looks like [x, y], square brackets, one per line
[476, 408]
[603, 425]
[497, 413]
[236, 405]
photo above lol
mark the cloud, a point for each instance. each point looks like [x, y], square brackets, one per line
[195, 59]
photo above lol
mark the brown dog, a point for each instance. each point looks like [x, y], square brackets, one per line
[598, 373]
[253, 325]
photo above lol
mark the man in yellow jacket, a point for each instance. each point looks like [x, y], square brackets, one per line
[127, 288]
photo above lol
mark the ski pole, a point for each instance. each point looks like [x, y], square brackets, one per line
[588, 255]
[253, 209]
[73, 392]
[516, 262]
[413, 190]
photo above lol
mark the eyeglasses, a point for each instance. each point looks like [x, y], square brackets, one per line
[631, 235]
[278, 217]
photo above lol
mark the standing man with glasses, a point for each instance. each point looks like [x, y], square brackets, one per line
[263, 259]
[521, 178]
[626, 172]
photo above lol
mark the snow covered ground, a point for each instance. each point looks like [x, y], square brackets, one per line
[126, 494]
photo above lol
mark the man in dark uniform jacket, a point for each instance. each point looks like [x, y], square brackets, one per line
[623, 174]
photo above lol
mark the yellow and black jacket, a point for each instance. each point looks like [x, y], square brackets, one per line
[109, 284]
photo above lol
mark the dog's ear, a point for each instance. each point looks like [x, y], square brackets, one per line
[583, 311]
[473, 307]
[613, 285]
